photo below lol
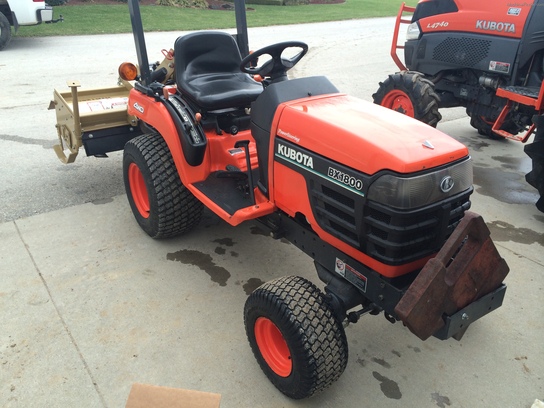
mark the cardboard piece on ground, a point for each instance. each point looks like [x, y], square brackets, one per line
[152, 396]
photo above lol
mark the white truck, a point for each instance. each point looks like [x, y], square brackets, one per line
[22, 13]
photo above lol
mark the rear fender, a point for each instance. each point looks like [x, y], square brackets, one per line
[156, 115]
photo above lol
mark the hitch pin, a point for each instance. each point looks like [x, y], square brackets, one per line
[353, 317]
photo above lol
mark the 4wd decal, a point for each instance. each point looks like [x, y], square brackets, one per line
[495, 26]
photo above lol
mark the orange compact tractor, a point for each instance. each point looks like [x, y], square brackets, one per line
[379, 200]
[487, 56]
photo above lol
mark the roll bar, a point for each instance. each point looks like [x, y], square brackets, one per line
[139, 38]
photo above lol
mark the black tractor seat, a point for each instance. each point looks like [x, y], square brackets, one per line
[208, 72]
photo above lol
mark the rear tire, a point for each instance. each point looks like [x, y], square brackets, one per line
[411, 94]
[161, 204]
[295, 336]
[5, 31]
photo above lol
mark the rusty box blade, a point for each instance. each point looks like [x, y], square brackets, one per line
[467, 268]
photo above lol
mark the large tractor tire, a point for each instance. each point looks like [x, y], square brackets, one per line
[535, 151]
[296, 338]
[5, 31]
[410, 93]
[161, 204]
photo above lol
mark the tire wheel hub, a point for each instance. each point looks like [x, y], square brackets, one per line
[273, 347]
[399, 101]
[138, 190]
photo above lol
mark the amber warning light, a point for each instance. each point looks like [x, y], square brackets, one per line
[128, 71]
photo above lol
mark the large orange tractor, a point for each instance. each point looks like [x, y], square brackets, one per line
[486, 56]
[377, 199]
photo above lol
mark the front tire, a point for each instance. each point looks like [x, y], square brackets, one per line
[161, 204]
[5, 31]
[411, 94]
[295, 336]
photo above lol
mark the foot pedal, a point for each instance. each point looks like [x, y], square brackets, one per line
[232, 172]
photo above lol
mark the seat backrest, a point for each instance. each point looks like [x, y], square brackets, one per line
[208, 72]
[204, 53]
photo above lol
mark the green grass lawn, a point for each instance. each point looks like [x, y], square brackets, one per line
[109, 19]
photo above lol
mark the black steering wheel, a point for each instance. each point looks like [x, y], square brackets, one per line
[277, 66]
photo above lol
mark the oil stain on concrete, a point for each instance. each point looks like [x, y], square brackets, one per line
[381, 362]
[416, 349]
[502, 231]
[476, 144]
[440, 400]
[519, 164]
[220, 251]
[505, 186]
[224, 241]
[251, 285]
[218, 274]
[389, 387]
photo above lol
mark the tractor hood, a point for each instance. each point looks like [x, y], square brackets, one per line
[365, 136]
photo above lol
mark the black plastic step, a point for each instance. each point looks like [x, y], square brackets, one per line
[229, 193]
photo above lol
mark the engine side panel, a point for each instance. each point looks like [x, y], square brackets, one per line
[438, 52]
[333, 200]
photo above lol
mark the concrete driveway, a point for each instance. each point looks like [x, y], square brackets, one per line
[89, 304]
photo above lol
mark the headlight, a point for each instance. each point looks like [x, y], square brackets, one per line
[418, 191]
[413, 32]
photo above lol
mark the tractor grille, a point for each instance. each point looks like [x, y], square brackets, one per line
[466, 52]
[335, 213]
[391, 236]
[397, 237]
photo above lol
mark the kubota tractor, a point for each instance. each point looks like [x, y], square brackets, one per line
[384, 218]
[487, 56]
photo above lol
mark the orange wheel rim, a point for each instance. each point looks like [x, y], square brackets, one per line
[487, 121]
[138, 190]
[399, 101]
[273, 347]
